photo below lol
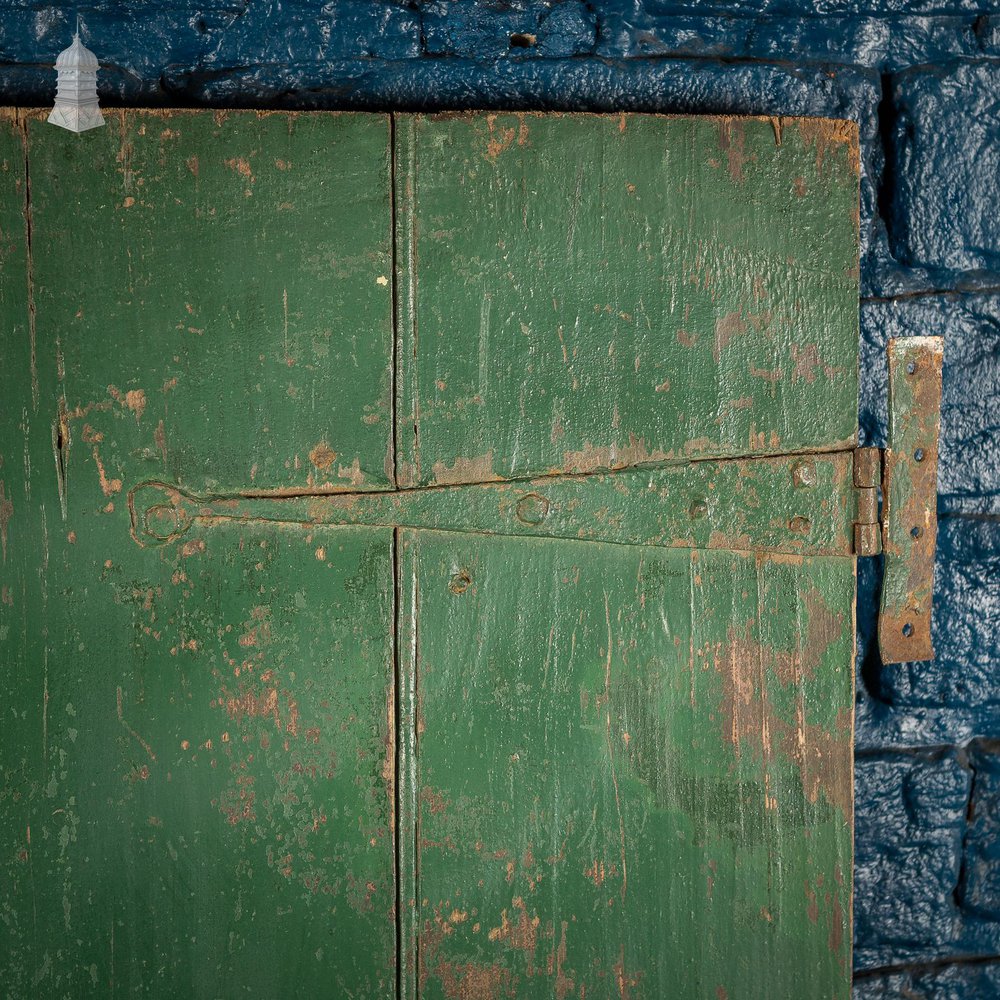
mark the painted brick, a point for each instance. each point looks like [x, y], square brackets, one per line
[964, 981]
[979, 891]
[791, 8]
[133, 45]
[881, 43]
[955, 698]
[908, 853]
[482, 31]
[290, 32]
[570, 84]
[947, 168]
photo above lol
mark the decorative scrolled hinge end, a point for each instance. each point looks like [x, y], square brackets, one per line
[159, 513]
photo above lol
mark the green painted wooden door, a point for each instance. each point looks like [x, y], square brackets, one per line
[427, 557]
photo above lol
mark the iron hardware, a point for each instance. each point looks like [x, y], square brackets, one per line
[909, 505]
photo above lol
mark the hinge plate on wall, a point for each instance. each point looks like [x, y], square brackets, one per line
[909, 499]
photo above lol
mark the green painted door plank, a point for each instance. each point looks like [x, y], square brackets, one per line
[633, 771]
[216, 288]
[585, 292]
[205, 808]
[24, 591]
[408, 730]
[801, 505]
[197, 792]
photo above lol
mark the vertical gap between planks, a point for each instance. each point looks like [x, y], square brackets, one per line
[405, 827]
[404, 616]
[397, 754]
[408, 439]
[21, 118]
[394, 305]
[397, 678]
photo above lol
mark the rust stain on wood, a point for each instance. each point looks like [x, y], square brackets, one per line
[747, 712]
[466, 470]
[592, 458]
[322, 456]
[827, 135]
[732, 138]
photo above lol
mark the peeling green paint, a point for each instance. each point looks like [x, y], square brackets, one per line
[588, 292]
[299, 738]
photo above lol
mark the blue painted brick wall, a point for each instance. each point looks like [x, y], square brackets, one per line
[922, 78]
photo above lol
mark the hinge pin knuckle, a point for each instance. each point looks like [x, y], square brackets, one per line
[867, 473]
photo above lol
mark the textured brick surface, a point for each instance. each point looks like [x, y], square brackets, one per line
[908, 855]
[922, 79]
[955, 698]
[979, 891]
[961, 981]
[852, 39]
[946, 165]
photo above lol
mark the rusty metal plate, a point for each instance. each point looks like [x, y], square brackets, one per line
[801, 504]
[909, 491]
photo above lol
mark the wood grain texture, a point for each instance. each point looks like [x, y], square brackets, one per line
[215, 287]
[633, 771]
[585, 292]
[200, 798]
[311, 743]
[197, 771]
[24, 584]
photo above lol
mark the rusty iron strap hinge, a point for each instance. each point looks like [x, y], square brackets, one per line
[797, 505]
[789, 504]
[907, 469]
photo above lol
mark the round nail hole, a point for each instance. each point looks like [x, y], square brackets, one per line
[460, 582]
[911, 367]
[916, 531]
[907, 630]
[918, 455]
